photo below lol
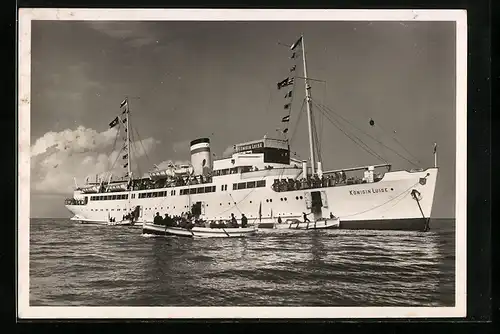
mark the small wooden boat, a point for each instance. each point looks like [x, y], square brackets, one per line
[295, 224]
[199, 232]
[125, 222]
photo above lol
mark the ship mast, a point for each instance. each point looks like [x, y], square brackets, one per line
[309, 106]
[128, 140]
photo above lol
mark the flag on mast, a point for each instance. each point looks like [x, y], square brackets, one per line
[435, 147]
[114, 122]
[124, 104]
[286, 119]
[289, 94]
[294, 45]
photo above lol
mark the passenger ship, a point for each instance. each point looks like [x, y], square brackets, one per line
[261, 180]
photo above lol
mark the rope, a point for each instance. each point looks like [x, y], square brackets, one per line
[298, 120]
[367, 134]
[360, 143]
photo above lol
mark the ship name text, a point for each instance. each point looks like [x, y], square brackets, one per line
[368, 191]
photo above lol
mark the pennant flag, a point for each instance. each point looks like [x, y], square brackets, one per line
[125, 166]
[289, 94]
[287, 106]
[285, 131]
[294, 55]
[285, 119]
[294, 45]
[293, 68]
[435, 147]
[124, 120]
[125, 129]
[114, 122]
[285, 82]
[124, 103]
[125, 156]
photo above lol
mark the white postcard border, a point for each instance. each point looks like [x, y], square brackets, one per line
[26, 15]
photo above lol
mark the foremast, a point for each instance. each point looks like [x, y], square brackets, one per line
[310, 120]
[308, 103]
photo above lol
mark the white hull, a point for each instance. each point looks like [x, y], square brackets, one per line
[198, 232]
[386, 204]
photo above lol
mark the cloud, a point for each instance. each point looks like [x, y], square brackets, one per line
[181, 146]
[228, 151]
[135, 34]
[58, 157]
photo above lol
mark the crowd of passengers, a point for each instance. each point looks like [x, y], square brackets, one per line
[73, 201]
[317, 182]
[187, 220]
[145, 184]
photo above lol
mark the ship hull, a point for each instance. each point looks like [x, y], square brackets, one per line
[402, 200]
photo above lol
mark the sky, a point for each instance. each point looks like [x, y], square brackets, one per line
[218, 79]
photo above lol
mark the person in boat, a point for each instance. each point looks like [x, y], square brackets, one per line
[234, 223]
[244, 221]
[332, 216]
[304, 215]
[157, 220]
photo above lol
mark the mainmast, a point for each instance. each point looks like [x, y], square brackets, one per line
[128, 140]
[308, 103]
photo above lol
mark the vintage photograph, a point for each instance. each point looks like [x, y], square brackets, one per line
[235, 159]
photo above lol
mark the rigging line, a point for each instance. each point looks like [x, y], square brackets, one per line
[315, 135]
[140, 141]
[220, 213]
[397, 141]
[367, 134]
[135, 153]
[117, 156]
[358, 141]
[361, 144]
[298, 120]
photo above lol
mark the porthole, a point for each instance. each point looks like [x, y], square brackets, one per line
[281, 199]
[392, 189]
[296, 197]
[285, 198]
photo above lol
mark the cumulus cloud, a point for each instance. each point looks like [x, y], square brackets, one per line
[228, 151]
[59, 157]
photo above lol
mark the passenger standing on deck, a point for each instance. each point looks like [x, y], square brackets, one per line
[279, 219]
[157, 220]
[233, 220]
[305, 217]
[244, 220]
